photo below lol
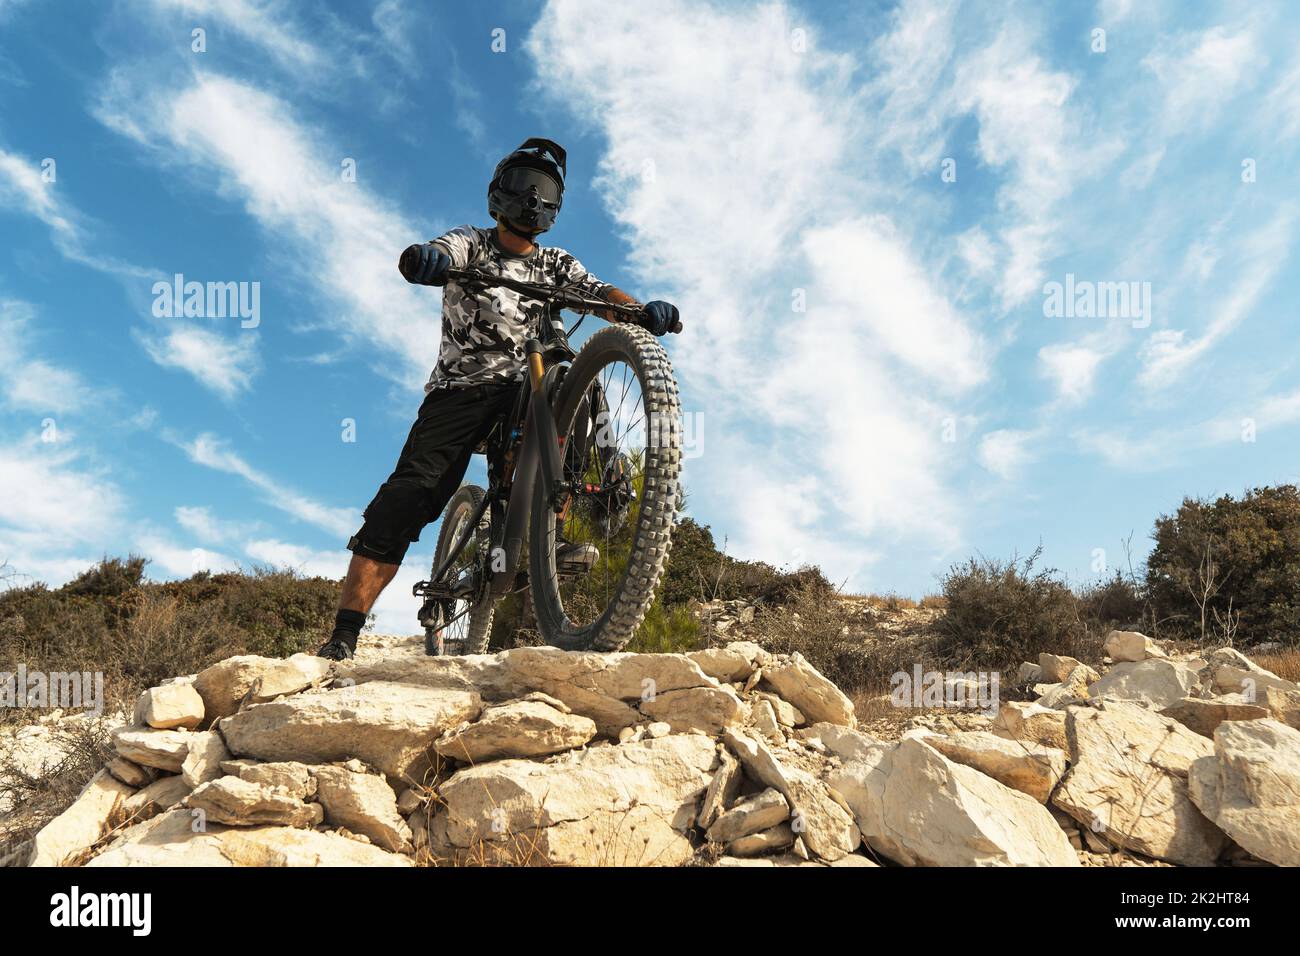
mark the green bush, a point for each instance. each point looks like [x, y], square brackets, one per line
[1000, 613]
[1229, 569]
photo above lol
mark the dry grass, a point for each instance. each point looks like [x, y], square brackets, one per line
[1285, 664]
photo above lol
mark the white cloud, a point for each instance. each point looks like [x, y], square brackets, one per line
[207, 527]
[1201, 72]
[225, 364]
[1006, 452]
[211, 452]
[28, 381]
[291, 184]
[1072, 369]
[267, 24]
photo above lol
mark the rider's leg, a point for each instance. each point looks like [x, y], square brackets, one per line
[432, 463]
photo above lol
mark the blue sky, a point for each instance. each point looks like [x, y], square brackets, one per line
[859, 209]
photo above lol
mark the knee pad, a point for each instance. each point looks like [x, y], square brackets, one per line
[393, 520]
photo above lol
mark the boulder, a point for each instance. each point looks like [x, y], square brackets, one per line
[630, 804]
[1025, 766]
[79, 827]
[130, 772]
[224, 685]
[160, 749]
[703, 709]
[1250, 787]
[163, 794]
[817, 814]
[289, 676]
[203, 758]
[523, 728]
[778, 837]
[363, 803]
[1031, 722]
[170, 707]
[236, 802]
[1028, 673]
[295, 779]
[170, 840]
[1283, 705]
[917, 807]
[798, 682]
[1156, 682]
[389, 726]
[763, 717]
[1203, 714]
[1130, 646]
[722, 788]
[1071, 690]
[760, 812]
[1056, 668]
[1230, 672]
[1128, 782]
[730, 664]
[786, 713]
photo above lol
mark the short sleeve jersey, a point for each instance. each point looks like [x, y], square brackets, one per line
[483, 334]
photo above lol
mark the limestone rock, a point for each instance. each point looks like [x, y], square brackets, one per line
[917, 807]
[289, 676]
[1130, 646]
[163, 794]
[614, 805]
[1156, 682]
[732, 663]
[1031, 722]
[1230, 672]
[722, 788]
[817, 814]
[365, 804]
[1250, 787]
[1283, 705]
[777, 838]
[524, 728]
[1071, 690]
[224, 685]
[797, 681]
[389, 726]
[759, 812]
[77, 828]
[1028, 767]
[703, 709]
[170, 707]
[160, 749]
[1128, 782]
[1029, 673]
[1203, 714]
[295, 779]
[203, 758]
[1056, 668]
[130, 772]
[169, 840]
[237, 802]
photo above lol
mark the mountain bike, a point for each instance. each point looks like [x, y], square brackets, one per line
[582, 487]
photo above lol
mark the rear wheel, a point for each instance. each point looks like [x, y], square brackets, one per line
[618, 414]
[460, 626]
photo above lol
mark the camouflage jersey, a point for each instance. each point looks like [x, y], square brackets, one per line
[483, 334]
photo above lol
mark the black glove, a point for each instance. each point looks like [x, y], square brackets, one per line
[662, 317]
[424, 264]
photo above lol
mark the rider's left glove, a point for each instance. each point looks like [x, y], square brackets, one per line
[424, 264]
[662, 317]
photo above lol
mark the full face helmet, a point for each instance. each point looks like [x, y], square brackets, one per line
[527, 188]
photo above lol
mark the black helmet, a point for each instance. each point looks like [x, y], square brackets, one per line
[527, 188]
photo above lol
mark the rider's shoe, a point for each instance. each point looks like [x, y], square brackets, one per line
[335, 650]
[576, 558]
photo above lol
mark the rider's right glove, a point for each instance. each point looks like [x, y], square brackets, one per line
[424, 264]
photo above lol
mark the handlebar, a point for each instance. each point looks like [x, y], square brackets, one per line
[555, 295]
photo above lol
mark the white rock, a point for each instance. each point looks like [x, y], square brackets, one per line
[1128, 782]
[1250, 787]
[1028, 767]
[170, 707]
[203, 758]
[77, 828]
[524, 728]
[289, 676]
[1031, 722]
[703, 709]
[1155, 683]
[1056, 668]
[236, 802]
[1203, 714]
[760, 812]
[917, 807]
[160, 749]
[364, 804]
[797, 681]
[1130, 646]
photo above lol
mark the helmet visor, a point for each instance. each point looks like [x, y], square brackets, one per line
[521, 179]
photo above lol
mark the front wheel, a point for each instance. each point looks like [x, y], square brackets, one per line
[618, 415]
[460, 626]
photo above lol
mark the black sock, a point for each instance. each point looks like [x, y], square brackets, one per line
[347, 625]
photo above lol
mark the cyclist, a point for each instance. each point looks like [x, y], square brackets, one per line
[480, 365]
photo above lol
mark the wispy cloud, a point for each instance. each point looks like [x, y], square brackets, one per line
[29, 381]
[225, 364]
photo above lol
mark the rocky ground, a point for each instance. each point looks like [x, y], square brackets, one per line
[729, 756]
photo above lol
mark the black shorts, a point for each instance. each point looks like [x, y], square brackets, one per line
[449, 426]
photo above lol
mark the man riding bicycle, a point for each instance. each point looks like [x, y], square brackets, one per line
[481, 364]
